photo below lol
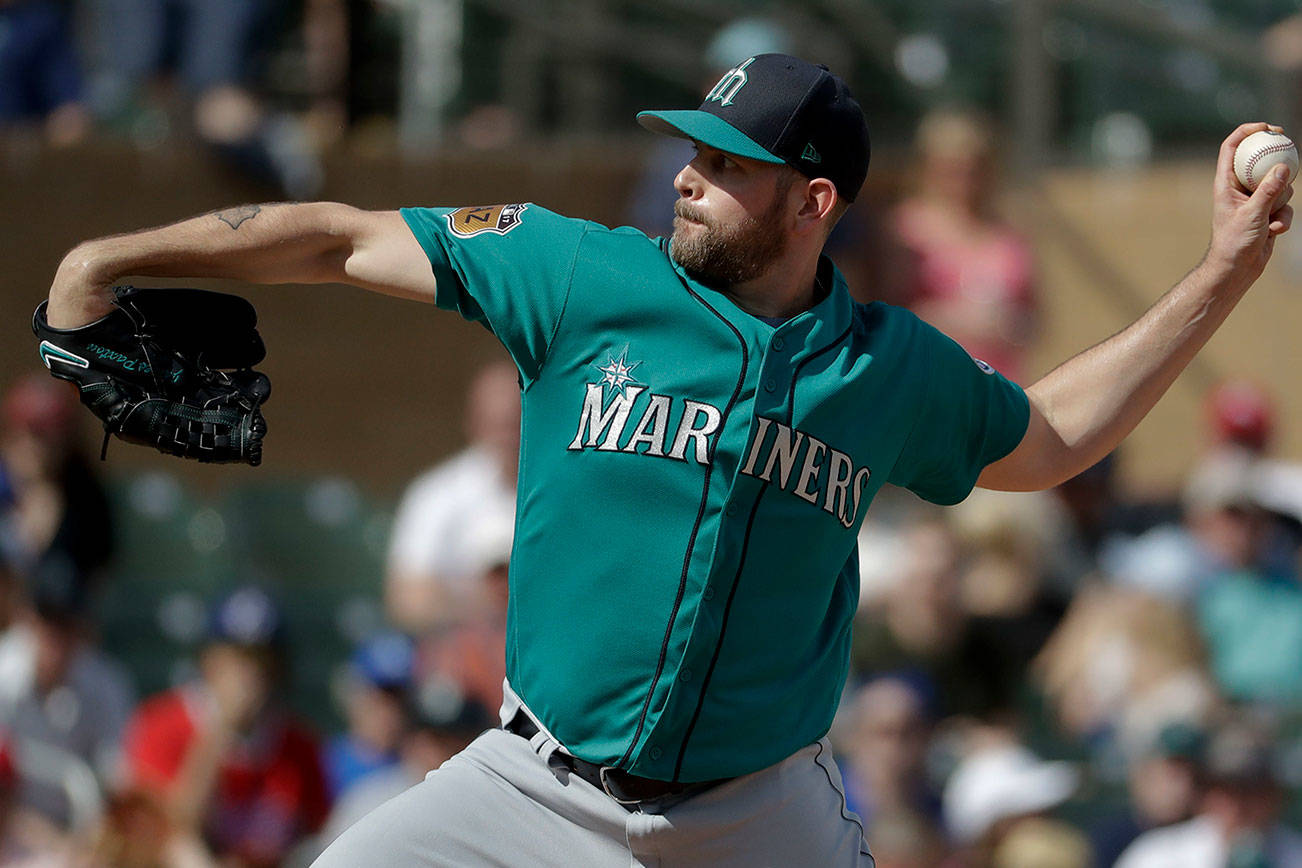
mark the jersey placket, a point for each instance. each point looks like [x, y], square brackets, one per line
[669, 739]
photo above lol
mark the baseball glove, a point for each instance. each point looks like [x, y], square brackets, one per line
[168, 368]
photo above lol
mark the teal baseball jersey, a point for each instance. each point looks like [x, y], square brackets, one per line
[692, 480]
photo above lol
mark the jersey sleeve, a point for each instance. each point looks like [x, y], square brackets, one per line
[507, 267]
[969, 415]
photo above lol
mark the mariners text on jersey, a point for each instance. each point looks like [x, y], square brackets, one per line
[827, 477]
[842, 484]
[603, 428]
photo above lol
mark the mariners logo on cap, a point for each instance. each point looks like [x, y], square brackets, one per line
[733, 80]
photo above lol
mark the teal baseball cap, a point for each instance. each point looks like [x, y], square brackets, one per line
[247, 616]
[779, 109]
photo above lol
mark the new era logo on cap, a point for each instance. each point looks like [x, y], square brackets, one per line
[780, 109]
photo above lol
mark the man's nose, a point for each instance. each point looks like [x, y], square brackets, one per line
[688, 182]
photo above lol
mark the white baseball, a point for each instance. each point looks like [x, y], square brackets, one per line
[1259, 153]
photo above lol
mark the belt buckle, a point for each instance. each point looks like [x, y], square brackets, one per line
[604, 774]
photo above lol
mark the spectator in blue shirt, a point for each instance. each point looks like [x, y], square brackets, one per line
[379, 678]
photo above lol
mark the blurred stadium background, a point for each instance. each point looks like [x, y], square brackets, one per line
[1105, 119]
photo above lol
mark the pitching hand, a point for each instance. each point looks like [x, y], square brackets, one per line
[1244, 225]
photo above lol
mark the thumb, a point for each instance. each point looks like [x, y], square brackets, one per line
[1263, 198]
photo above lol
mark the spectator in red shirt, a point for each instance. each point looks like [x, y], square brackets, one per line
[234, 768]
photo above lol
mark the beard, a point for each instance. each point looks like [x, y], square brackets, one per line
[719, 255]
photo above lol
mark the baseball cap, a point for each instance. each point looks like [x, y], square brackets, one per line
[1224, 480]
[58, 589]
[439, 704]
[385, 661]
[779, 109]
[1003, 781]
[1179, 740]
[247, 616]
[1241, 412]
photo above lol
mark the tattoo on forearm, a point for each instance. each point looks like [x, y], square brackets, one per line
[235, 217]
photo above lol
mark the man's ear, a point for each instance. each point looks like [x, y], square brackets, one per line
[818, 206]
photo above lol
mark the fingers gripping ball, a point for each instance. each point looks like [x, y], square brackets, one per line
[169, 368]
[1259, 153]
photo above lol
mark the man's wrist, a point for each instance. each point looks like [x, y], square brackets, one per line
[91, 263]
[1221, 276]
[81, 292]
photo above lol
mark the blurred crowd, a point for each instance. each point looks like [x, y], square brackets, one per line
[1062, 679]
[267, 86]
[1071, 678]
[219, 769]
[260, 84]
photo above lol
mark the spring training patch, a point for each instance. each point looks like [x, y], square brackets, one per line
[499, 219]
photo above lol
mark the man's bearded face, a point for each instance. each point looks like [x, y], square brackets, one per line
[719, 254]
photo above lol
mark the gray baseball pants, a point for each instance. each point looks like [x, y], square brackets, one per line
[502, 802]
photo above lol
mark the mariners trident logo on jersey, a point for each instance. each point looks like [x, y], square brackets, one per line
[618, 373]
[615, 398]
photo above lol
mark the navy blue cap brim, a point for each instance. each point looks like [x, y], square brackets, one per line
[708, 129]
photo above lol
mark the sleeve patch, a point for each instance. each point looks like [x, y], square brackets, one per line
[476, 219]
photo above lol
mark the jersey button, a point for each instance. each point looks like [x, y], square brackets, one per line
[778, 344]
[731, 509]
[708, 593]
[685, 676]
[770, 385]
[655, 753]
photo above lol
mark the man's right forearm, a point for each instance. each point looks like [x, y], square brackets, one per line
[283, 243]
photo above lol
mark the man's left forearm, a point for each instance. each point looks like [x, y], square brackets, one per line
[1095, 399]
[1086, 406]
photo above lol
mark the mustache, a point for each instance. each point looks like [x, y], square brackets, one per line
[689, 212]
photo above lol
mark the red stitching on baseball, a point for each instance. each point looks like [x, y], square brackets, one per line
[1252, 161]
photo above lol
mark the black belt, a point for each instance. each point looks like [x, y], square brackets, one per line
[627, 789]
